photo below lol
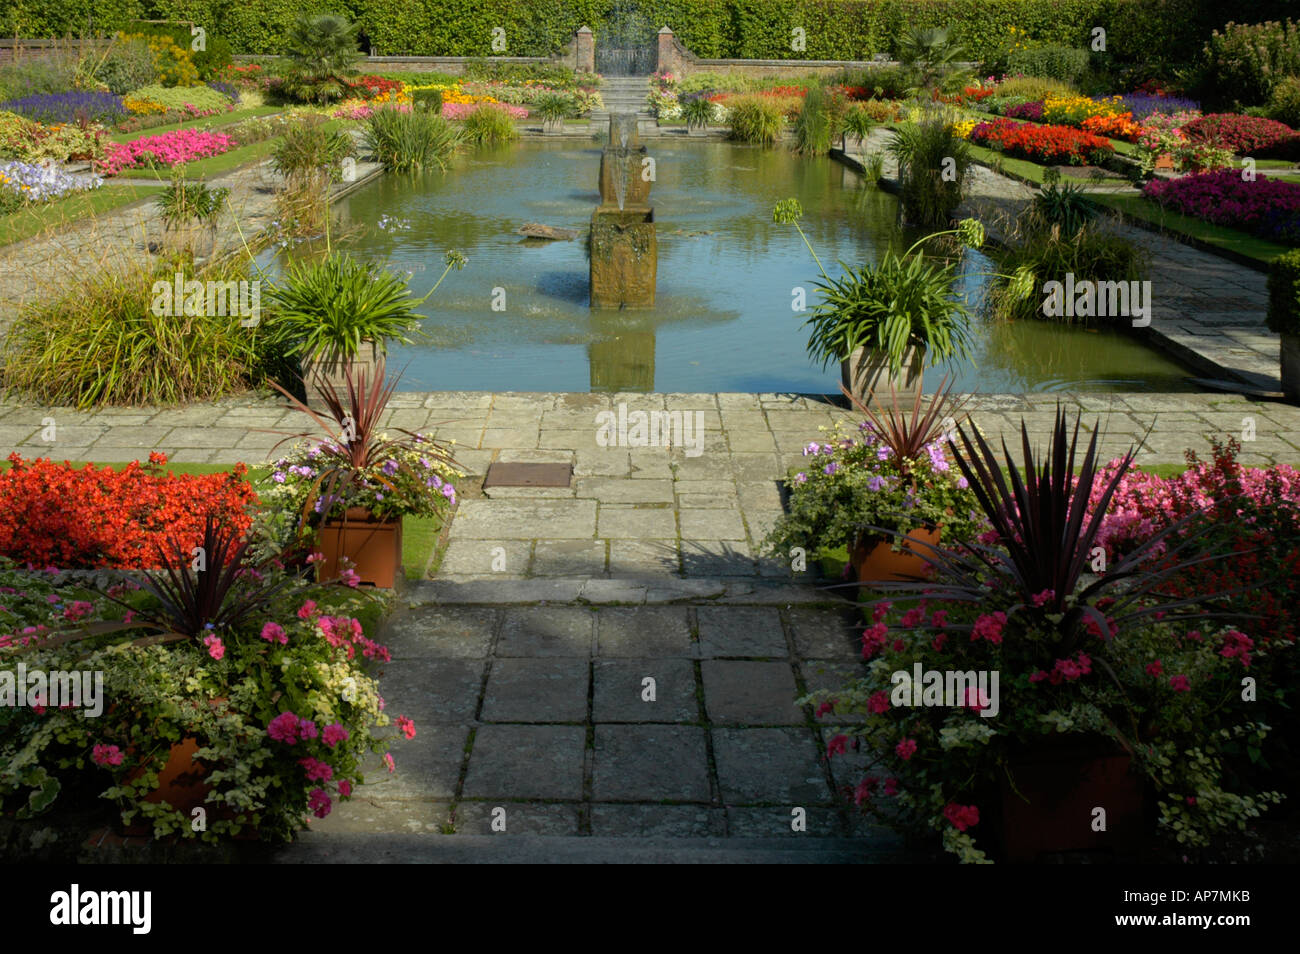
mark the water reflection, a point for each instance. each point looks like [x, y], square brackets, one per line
[722, 319]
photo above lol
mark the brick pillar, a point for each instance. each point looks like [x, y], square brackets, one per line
[669, 60]
[585, 54]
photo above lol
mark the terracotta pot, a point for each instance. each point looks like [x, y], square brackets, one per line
[1057, 788]
[866, 374]
[552, 127]
[374, 548]
[182, 782]
[875, 559]
[1165, 162]
[1290, 361]
[369, 362]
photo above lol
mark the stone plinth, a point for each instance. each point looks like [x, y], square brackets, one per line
[624, 257]
[585, 51]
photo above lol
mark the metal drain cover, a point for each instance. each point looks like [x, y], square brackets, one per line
[527, 475]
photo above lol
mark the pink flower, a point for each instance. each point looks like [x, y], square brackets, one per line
[77, 609]
[826, 707]
[215, 647]
[838, 746]
[284, 728]
[345, 788]
[880, 611]
[388, 760]
[274, 633]
[913, 617]
[878, 703]
[106, 755]
[891, 787]
[1155, 668]
[961, 817]
[1043, 598]
[406, 726]
[316, 769]
[989, 627]
[350, 577]
[905, 749]
[864, 789]
[334, 734]
[873, 638]
[307, 729]
[1180, 684]
[939, 619]
[319, 803]
[307, 610]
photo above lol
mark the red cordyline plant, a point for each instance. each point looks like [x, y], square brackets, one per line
[353, 460]
[1041, 557]
[908, 435]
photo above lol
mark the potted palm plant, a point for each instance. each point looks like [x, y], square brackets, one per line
[553, 109]
[189, 211]
[339, 313]
[352, 487]
[698, 113]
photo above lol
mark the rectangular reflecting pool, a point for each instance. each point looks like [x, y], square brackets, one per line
[517, 316]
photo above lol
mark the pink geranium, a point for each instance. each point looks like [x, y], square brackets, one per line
[166, 149]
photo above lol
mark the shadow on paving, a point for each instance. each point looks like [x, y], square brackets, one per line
[583, 733]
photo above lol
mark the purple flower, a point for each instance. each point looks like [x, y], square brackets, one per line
[882, 453]
[390, 467]
[875, 482]
[801, 478]
[830, 468]
[963, 483]
[55, 108]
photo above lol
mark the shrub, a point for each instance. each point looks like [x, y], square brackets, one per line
[192, 99]
[31, 77]
[488, 124]
[308, 146]
[70, 107]
[100, 343]
[213, 61]
[323, 54]
[1244, 135]
[933, 160]
[1284, 294]
[755, 119]
[55, 515]
[411, 141]
[1049, 255]
[1029, 89]
[173, 60]
[128, 64]
[1284, 104]
[1052, 61]
[1245, 61]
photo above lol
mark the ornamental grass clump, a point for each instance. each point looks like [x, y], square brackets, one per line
[489, 124]
[103, 343]
[755, 119]
[411, 142]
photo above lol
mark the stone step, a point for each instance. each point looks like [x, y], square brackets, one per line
[381, 848]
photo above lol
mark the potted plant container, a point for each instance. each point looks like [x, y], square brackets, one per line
[553, 109]
[320, 369]
[875, 559]
[1284, 317]
[697, 112]
[1049, 795]
[371, 546]
[867, 375]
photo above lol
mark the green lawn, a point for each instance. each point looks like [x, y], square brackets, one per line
[1018, 168]
[215, 122]
[1218, 236]
[34, 220]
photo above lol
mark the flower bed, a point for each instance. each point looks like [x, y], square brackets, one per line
[462, 110]
[1244, 135]
[1073, 110]
[167, 149]
[1261, 205]
[33, 183]
[51, 514]
[29, 141]
[1045, 144]
[104, 108]
[1142, 105]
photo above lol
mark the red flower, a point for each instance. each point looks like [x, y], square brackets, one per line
[961, 817]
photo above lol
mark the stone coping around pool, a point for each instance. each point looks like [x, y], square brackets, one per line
[747, 439]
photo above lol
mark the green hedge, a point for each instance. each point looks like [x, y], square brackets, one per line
[1169, 30]
[1284, 294]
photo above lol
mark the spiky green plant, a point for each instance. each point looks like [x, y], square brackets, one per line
[410, 142]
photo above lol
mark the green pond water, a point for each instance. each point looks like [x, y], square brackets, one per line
[723, 317]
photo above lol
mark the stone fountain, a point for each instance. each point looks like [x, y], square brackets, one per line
[624, 251]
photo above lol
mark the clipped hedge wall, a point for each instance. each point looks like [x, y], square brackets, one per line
[1171, 30]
